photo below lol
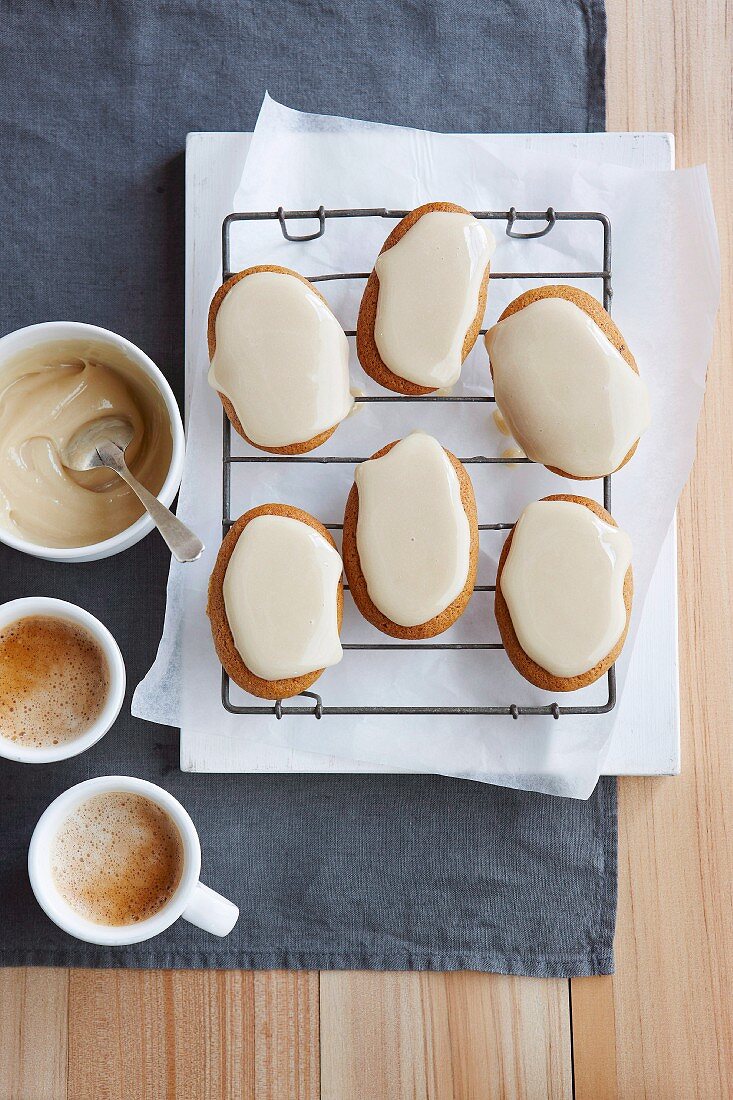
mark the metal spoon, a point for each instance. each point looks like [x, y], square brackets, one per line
[103, 443]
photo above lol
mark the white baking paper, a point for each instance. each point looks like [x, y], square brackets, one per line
[666, 284]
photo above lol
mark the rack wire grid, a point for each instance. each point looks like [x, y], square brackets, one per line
[511, 217]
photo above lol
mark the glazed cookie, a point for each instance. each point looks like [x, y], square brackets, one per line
[279, 360]
[275, 627]
[566, 384]
[410, 543]
[563, 592]
[424, 301]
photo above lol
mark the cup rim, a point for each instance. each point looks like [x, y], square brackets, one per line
[47, 331]
[61, 913]
[26, 606]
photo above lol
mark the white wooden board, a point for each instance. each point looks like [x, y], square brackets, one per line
[647, 735]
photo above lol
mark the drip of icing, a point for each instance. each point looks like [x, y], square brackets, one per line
[358, 406]
[500, 422]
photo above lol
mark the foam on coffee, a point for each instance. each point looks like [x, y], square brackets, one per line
[117, 859]
[54, 681]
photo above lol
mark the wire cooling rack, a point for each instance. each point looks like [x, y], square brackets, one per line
[511, 218]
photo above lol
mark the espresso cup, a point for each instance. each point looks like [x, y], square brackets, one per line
[191, 900]
[46, 606]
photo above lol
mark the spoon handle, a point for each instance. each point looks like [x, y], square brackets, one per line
[183, 544]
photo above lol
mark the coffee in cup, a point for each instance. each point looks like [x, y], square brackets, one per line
[117, 859]
[54, 681]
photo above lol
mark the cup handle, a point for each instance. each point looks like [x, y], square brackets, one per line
[211, 911]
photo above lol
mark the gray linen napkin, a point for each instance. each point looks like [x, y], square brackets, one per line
[380, 872]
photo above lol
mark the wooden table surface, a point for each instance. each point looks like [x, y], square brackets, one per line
[662, 1027]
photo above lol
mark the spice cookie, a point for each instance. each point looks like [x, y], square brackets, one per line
[566, 384]
[410, 540]
[276, 601]
[279, 360]
[564, 589]
[425, 299]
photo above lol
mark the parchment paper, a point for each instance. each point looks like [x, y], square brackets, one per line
[666, 285]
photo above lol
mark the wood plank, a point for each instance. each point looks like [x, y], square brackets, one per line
[510, 1037]
[384, 1036]
[287, 1058]
[161, 1033]
[33, 1023]
[443, 1037]
[594, 1038]
[672, 1008]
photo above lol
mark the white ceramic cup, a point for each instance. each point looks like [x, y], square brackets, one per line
[192, 900]
[60, 609]
[25, 339]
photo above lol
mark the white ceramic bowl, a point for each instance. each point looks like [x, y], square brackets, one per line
[60, 609]
[24, 339]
